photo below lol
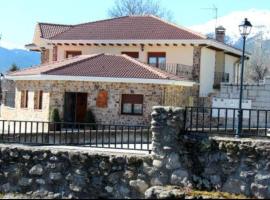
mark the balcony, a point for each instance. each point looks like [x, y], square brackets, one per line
[220, 77]
[182, 71]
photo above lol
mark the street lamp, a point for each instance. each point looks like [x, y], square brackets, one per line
[245, 29]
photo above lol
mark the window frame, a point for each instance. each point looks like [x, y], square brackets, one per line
[38, 100]
[132, 104]
[24, 101]
[13, 101]
[132, 54]
[73, 53]
[157, 56]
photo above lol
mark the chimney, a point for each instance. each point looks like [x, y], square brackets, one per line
[220, 34]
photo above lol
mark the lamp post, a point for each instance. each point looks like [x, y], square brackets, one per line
[245, 29]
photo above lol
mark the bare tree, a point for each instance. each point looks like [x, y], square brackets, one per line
[139, 7]
[259, 64]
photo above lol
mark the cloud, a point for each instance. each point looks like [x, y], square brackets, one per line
[11, 45]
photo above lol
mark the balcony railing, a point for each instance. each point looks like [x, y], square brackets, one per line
[221, 77]
[183, 71]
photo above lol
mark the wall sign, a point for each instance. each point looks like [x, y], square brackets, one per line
[102, 99]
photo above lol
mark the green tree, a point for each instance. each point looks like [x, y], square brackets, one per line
[139, 7]
[14, 68]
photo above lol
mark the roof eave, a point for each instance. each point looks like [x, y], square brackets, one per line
[205, 42]
[101, 79]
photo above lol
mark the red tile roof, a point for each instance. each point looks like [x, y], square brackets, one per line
[50, 30]
[101, 65]
[122, 28]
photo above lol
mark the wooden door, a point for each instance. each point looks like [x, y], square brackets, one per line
[81, 107]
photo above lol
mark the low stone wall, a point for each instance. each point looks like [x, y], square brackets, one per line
[240, 166]
[48, 173]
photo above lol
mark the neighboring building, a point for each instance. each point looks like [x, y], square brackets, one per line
[148, 39]
[117, 88]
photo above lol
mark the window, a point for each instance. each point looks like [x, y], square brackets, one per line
[9, 100]
[70, 54]
[131, 54]
[24, 98]
[157, 59]
[132, 104]
[38, 97]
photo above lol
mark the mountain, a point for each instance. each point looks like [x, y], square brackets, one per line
[22, 58]
[258, 18]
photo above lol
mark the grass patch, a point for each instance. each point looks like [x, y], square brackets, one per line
[216, 195]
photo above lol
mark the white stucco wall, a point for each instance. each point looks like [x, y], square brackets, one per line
[175, 55]
[207, 71]
[230, 66]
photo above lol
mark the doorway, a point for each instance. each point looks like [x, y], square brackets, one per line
[75, 107]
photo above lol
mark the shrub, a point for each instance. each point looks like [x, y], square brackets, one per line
[90, 119]
[55, 118]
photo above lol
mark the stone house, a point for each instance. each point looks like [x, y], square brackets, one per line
[161, 65]
[149, 39]
[117, 88]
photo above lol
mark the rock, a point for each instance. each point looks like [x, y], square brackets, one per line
[75, 188]
[181, 178]
[104, 165]
[37, 170]
[159, 179]
[109, 189]
[260, 191]
[234, 186]
[25, 182]
[55, 176]
[158, 164]
[263, 178]
[215, 181]
[40, 181]
[129, 174]
[159, 192]
[139, 185]
[26, 157]
[5, 188]
[173, 162]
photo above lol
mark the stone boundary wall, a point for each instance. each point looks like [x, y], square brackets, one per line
[240, 166]
[259, 94]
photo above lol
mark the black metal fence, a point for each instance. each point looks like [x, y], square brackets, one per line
[224, 121]
[76, 134]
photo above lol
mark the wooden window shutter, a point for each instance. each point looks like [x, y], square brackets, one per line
[132, 98]
[102, 99]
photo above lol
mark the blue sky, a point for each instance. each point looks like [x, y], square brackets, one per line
[19, 17]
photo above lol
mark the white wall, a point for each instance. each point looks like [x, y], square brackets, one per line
[207, 71]
[230, 66]
[175, 55]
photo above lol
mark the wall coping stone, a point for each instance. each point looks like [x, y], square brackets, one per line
[81, 150]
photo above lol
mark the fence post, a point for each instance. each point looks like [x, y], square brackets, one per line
[167, 125]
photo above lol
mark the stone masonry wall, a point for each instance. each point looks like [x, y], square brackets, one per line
[259, 94]
[196, 63]
[54, 98]
[239, 166]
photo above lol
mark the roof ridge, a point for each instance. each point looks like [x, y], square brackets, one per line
[156, 71]
[97, 21]
[179, 26]
[47, 23]
[84, 58]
